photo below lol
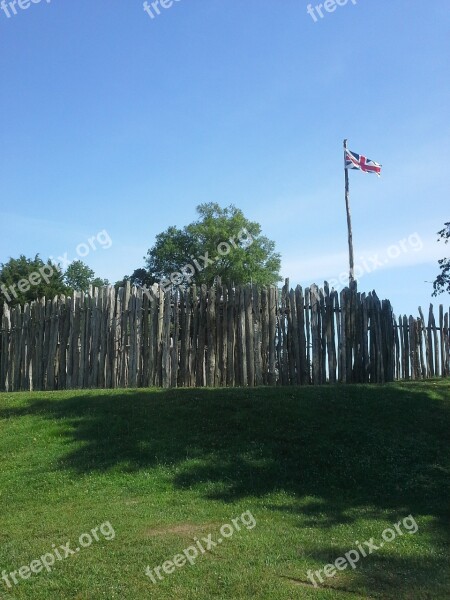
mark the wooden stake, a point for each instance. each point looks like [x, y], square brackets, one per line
[349, 222]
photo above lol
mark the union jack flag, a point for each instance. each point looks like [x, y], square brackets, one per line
[361, 163]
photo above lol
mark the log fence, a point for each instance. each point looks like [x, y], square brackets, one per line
[217, 337]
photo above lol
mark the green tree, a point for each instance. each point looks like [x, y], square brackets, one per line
[442, 282]
[80, 277]
[140, 277]
[221, 243]
[25, 279]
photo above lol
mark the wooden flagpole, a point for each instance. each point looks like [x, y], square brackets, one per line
[349, 223]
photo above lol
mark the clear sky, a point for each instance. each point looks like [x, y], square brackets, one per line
[111, 120]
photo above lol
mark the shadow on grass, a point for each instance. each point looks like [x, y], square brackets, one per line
[349, 447]
[380, 576]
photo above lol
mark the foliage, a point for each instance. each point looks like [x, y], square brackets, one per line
[442, 282]
[140, 277]
[198, 252]
[25, 279]
[80, 277]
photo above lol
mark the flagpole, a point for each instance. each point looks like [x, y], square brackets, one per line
[349, 222]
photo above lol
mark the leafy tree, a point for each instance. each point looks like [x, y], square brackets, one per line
[221, 243]
[140, 277]
[442, 282]
[80, 277]
[25, 279]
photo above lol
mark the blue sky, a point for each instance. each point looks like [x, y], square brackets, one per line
[111, 120]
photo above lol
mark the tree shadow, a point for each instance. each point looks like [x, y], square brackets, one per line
[379, 575]
[383, 448]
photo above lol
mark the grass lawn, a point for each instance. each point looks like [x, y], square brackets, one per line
[320, 469]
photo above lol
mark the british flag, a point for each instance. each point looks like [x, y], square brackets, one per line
[361, 163]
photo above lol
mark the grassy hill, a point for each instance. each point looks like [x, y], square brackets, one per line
[320, 470]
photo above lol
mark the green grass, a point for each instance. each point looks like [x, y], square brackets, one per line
[319, 468]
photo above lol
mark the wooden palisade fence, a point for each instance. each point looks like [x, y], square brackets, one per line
[221, 336]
